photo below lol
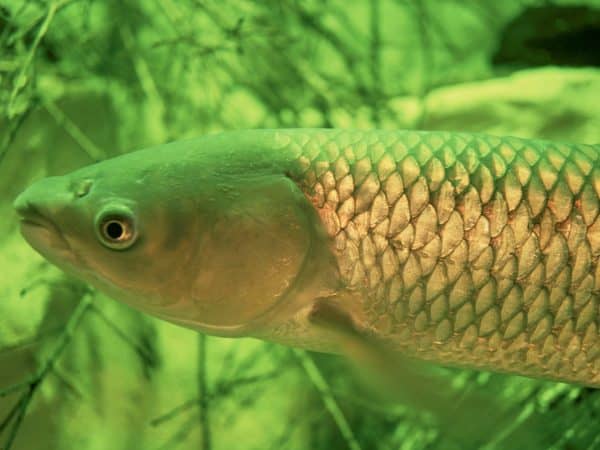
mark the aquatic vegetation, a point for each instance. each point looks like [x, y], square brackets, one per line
[82, 81]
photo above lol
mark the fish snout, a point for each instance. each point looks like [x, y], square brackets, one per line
[43, 199]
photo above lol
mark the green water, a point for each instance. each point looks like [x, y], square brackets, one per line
[84, 80]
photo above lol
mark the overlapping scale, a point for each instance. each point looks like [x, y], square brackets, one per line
[468, 249]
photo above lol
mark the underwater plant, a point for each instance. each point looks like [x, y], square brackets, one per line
[83, 82]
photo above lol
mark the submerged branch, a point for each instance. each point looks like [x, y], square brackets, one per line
[375, 56]
[183, 407]
[22, 80]
[203, 393]
[420, 13]
[66, 381]
[13, 127]
[92, 150]
[316, 377]
[222, 389]
[180, 435]
[17, 414]
[14, 388]
[143, 353]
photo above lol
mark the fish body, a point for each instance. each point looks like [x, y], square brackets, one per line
[462, 249]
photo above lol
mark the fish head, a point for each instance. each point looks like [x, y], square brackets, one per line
[180, 238]
[108, 224]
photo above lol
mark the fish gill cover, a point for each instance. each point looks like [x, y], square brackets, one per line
[83, 80]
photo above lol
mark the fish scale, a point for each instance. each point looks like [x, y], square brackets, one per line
[468, 249]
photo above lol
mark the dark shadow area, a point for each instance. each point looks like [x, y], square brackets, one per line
[551, 35]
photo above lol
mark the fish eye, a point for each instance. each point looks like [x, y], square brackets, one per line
[116, 229]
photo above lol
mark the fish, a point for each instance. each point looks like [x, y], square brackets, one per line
[461, 249]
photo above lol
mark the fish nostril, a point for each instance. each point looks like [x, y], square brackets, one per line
[82, 188]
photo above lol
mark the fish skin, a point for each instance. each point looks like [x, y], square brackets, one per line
[467, 249]
[462, 249]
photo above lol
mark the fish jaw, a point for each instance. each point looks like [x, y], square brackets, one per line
[37, 228]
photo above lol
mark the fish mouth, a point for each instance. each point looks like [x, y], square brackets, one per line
[30, 216]
[42, 234]
[36, 222]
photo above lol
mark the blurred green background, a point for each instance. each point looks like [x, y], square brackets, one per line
[83, 80]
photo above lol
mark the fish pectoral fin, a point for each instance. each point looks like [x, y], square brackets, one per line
[390, 372]
[468, 417]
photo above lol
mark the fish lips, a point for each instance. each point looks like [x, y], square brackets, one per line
[45, 237]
